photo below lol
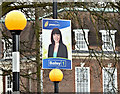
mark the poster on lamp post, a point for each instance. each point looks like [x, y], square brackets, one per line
[56, 44]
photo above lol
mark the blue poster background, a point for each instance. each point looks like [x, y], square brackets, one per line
[50, 24]
[59, 63]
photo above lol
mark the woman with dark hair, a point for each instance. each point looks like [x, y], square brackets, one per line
[57, 48]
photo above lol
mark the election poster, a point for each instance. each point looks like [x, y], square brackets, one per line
[56, 44]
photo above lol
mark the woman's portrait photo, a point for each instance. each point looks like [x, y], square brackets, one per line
[56, 44]
[57, 48]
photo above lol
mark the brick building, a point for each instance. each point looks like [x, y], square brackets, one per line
[95, 57]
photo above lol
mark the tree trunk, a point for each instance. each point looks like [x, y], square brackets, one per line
[38, 63]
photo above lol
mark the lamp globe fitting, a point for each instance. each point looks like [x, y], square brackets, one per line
[56, 75]
[15, 20]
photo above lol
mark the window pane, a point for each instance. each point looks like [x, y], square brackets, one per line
[82, 79]
[7, 48]
[8, 84]
[109, 79]
[108, 38]
[80, 39]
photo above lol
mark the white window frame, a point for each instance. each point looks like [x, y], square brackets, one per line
[6, 51]
[7, 84]
[30, 81]
[40, 44]
[110, 33]
[76, 85]
[78, 0]
[81, 31]
[1, 82]
[106, 69]
[41, 81]
[29, 72]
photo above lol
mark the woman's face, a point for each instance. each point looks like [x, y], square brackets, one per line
[56, 38]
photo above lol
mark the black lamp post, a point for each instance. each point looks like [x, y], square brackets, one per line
[54, 9]
[15, 22]
[55, 75]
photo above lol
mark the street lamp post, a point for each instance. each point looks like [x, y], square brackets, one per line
[56, 76]
[54, 9]
[15, 22]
